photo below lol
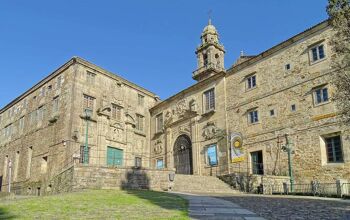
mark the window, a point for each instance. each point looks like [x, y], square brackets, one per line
[16, 164]
[41, 113]
[257, 162]
[205, 59]
[272, 112]
[160, 164]
[116, 112]
[43, 167]
[59, 82]
[139, 122]
[89, 102]
[209, 100]
[321, 95]
[138, 162]
[29, 162]
[55, 105]
[253, 116]
[21, 123]
[140, 99]
[317, 53]
[33, 117]
[334, 149]
[42, 91]
[251, 82]
[90, 78]
[211, 155]
[25, 103]
[115, 157]
[287, 66]
[8, 131]
[293, 108]
[159, 122]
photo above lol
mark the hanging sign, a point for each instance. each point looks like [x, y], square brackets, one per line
[237, 154]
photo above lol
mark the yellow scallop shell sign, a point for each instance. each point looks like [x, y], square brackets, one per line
[237, 153]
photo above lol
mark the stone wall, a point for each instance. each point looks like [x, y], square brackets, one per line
[277, 89]
[90, 177]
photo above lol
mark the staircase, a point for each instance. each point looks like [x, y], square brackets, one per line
[200, 184]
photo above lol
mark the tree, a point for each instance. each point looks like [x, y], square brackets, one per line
[339, 18]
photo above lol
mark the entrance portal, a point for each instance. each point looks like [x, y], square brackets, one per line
[183, 155]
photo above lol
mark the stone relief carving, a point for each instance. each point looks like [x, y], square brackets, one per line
[181, 108]
[184, 129]
[158, 147]
[210, 131]
[168, 119]
[193, 106]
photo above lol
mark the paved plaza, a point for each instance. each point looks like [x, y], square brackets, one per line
[258, 207]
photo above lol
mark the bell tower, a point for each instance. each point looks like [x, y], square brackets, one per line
[210, 54]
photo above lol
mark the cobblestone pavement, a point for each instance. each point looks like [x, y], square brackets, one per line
[292, 208]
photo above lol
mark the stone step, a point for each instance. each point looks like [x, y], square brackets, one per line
[201, 184]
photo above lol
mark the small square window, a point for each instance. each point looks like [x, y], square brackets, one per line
[287, 66]
[272, 112]
[293, 108]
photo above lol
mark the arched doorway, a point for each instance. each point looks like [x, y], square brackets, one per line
[183, 155]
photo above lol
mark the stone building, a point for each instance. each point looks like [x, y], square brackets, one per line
[230, 122]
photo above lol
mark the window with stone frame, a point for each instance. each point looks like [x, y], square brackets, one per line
[317, 53]
[253, 116]
[21, 123]
[90, 78]
[116, 112]
[209, 100]
[251, 82]
[140, 100]
[159, 122]
[88, 102]
[41, 113]
[55, 105]
[59, 82]
[334, 149]
[321, 95]
[140, 122]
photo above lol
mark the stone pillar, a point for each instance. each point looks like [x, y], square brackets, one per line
[341, 187]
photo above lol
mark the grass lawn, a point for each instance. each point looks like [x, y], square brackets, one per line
[98, 204]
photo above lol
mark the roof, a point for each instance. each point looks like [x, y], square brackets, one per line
[65, 66]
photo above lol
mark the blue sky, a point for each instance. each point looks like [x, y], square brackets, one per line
[150, 43]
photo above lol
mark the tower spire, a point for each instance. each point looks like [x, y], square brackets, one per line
[209, 16]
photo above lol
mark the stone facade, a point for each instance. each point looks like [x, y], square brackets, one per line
[230, 122]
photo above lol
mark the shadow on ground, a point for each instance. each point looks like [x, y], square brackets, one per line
[137, 183]
[4, 214]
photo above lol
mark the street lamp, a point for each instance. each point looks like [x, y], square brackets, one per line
[88, 115]
[289, 149]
